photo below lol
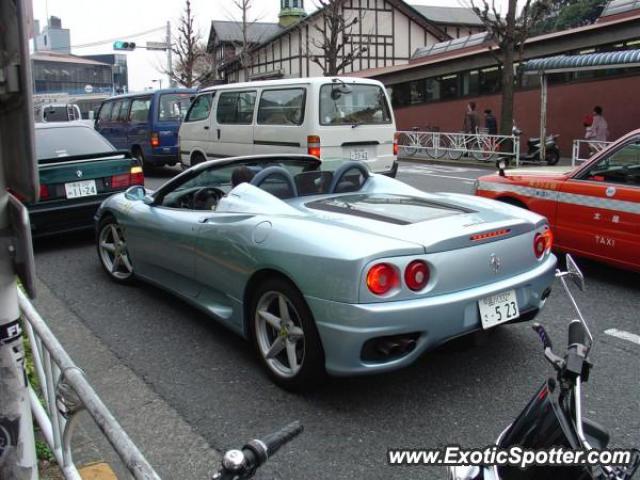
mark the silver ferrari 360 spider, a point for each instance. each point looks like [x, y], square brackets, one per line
[325, 270]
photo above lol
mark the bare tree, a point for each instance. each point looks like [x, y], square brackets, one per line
[509, 33]
[333, 28]
[193, 64]
[244, 47]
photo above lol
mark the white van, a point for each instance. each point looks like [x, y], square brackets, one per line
[331, 118]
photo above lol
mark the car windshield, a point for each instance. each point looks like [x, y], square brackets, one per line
[354, 104]
[396, 209]
[69, 141]
[173, 106]
[220, 176]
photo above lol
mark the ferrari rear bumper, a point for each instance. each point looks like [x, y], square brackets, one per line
[345, 328]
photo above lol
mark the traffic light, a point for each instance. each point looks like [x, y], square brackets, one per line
[120, 45]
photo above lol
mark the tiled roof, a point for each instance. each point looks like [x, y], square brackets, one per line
[257, 32]
[449, 15]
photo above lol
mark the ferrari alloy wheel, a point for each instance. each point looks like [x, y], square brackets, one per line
[285, 335]
[112, 250]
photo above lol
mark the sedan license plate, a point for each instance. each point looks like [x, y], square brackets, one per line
[498, 309]
[85, 188]
[359, 155]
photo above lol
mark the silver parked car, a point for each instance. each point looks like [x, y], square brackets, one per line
[325, 270]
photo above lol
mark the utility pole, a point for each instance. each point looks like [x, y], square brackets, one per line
[18, 171]
[172, 83]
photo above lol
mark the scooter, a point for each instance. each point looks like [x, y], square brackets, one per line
[552, 152]
[553, 416]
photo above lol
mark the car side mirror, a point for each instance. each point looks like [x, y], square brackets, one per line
[148, 200]
[137, 192]
[574, 272]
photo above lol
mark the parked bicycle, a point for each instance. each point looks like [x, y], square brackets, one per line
[428, 141]
[481, 146]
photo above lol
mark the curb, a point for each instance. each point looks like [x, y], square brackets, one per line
[439, 161]
[465, 161]
[97, 471]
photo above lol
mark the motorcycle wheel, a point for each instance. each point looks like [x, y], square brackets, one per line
[552, 157]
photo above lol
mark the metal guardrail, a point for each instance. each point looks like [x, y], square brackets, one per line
[583, 150]
[437, 145]
[66, 393]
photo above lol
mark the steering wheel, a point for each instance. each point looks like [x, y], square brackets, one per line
[206, 198]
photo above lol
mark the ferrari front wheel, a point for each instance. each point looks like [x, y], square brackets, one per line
[285, 336]
[113, 252]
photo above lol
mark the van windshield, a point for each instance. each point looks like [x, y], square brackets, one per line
[354, 104]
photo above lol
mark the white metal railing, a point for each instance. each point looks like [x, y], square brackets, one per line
[66, 393]
[437, 145]
[583, 150]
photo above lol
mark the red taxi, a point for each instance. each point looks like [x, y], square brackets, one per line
[593, 209]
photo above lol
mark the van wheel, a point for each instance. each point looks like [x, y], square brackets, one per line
[197, 158]
[138, 155]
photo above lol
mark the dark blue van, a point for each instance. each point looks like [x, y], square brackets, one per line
[146, 123]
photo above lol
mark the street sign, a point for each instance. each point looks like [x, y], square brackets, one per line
[157, 46]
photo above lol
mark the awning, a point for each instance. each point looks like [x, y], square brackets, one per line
[589, 61]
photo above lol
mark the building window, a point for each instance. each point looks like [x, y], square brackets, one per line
[490, 81]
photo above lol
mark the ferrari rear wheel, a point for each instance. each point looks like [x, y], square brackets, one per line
[285, 336]
[113, 252]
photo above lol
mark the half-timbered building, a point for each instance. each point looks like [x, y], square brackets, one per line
[391, 30]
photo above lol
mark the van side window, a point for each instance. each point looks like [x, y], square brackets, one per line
[105, 111]
[115, 111]
[200, 108]
[236, 108]
[140, 109]
[124, 110]
[282, 107]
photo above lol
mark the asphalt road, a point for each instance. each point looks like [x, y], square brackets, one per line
[461, 393]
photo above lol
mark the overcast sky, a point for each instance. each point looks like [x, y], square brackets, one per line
[97, 20]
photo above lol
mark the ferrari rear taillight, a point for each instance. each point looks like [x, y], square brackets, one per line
[313, 145]
[382, 278]
[416, 275]
[137, 176]
[155, 140]
[542, 243]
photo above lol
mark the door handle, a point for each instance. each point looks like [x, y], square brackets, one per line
[206, 127]
[218, 134]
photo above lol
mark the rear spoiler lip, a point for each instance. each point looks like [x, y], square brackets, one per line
[86, 157]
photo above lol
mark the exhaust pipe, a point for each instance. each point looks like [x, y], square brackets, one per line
[393, 348]
[389, 348]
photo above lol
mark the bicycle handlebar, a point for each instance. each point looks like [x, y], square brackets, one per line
[242, 464]
[577, 333]
[277, 439]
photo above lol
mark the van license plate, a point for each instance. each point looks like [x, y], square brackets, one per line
[85, 188]
[359, 155]
[498, 309]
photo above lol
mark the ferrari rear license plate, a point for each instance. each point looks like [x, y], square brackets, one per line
[85, 188]
[359, 155]
[498, 309]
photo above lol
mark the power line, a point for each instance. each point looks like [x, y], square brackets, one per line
[102, 42]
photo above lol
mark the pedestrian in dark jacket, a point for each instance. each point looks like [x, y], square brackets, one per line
[490, 122]
[471, 118]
